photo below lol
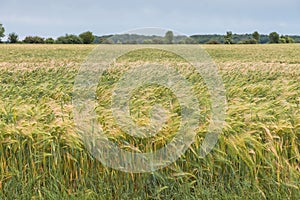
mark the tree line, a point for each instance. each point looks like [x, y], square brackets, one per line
[256, 38]
[89, 38]
[83, 38]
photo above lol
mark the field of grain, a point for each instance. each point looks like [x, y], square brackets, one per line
[257, 155]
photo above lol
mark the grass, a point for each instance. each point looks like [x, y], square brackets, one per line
[257, 155]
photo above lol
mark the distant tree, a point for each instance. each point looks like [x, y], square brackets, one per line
[264, 39]
[147, 41]
[289, 39]
[228, 37]
[2, 30]
[189, 40]
[256, 36]
[286, 39]
[34, 40]
[249, 41]
[13, 38]
[282, 39]
[107, 41]
[158, 41]
[131, 42]
[49, 41]
[273, 37]
[212, 42]
[69, 39]
[87, 37]
[169, 36]
[101, 39]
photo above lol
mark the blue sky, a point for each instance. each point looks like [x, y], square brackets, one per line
[52, 18]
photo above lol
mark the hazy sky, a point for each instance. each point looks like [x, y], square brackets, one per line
[57, 17]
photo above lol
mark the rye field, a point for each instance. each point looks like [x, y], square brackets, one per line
[257, 155]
